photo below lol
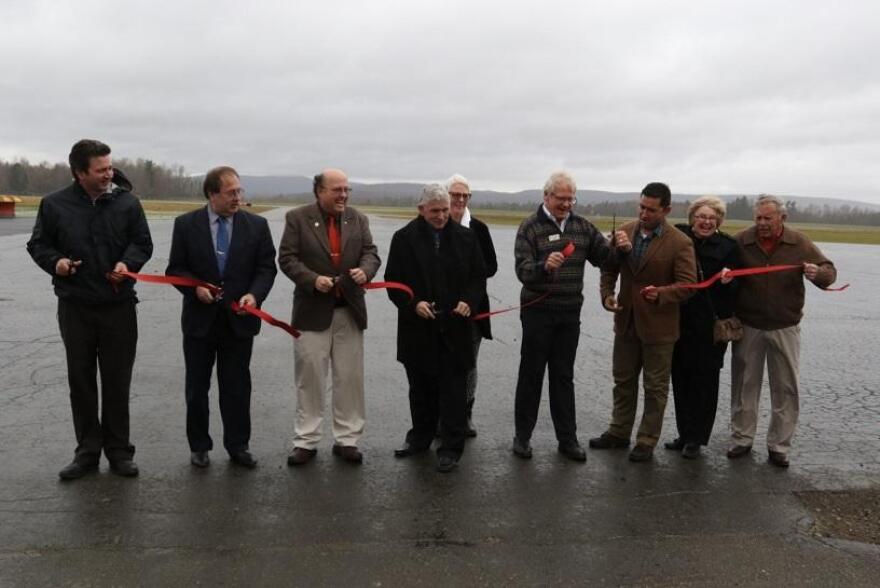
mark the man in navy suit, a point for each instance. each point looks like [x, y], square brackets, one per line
[232, 249]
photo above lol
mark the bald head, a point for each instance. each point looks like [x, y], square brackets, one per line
[332, 190]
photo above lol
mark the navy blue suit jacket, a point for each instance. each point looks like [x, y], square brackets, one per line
[250, 269]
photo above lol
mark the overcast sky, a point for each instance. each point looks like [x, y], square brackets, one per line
[711, 97]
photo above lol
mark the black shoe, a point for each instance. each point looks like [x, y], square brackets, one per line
[200, 459]
[573, 451]
[409, 449]
[608, 441]
[348, 453]
[301, 456]
[675, 445]
[124, 467]
[522, 448]
[778, 459]
[244, 459]
[690, 451]
[76, 469]
[641, 452]
[470, 431]
[738, 451]
[446, 464]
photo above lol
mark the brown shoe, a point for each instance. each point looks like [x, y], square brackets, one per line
[641, 452]
[738, 451]
[349, 453]
[301, 456]
[780, 460]
[608, 441]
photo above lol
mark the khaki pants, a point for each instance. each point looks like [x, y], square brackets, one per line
[339, 349]
[781, 349]
[631, 357]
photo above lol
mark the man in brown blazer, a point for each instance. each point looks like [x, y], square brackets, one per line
[645, 319]
[328, 252]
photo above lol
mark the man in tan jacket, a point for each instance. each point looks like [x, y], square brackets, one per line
[646, 319]
[328, 252]
[771, 307]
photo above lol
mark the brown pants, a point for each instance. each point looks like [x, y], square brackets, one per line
[654, 362]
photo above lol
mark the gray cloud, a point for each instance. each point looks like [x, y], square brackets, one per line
[709, 96]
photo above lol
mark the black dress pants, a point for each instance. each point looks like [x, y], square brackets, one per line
[99, 337]
[233, 355]
[696, 365]
[549, 340]
[438, 397]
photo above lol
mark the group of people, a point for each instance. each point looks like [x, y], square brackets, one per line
[92, 234]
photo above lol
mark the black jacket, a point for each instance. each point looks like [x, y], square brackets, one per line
[102, 233]
[713, 254]
[250, 269]
[490, 260]
[456, 274]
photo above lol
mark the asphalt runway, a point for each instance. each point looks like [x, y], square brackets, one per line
[496, 520]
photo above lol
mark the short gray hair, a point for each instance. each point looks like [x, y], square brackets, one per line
[713, 202]
[457, 179]
[770, 199]
[434, 193]
[558, 178]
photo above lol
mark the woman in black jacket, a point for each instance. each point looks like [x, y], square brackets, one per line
[697, 359]
[459, 195]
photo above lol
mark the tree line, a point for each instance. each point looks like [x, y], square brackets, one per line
[150, 179]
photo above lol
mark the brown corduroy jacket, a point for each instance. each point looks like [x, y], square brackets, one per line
[669, 259]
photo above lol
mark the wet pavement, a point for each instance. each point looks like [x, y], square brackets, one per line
[497, 520]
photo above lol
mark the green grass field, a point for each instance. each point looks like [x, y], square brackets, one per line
[818, 233]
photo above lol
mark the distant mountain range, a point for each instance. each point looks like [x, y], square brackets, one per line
[285, 186]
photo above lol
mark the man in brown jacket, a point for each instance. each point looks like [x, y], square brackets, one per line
[771, 307]
[646, 319]
[328, 252]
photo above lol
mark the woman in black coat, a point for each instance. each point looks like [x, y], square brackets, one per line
[460, 195]
[697, 359]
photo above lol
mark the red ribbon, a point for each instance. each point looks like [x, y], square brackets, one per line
[748, 271]
[262, 314]
[390, 286]
[173, 280]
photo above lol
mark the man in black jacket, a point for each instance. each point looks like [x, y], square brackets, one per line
[86, 235]
[441, 262]
[232, 249]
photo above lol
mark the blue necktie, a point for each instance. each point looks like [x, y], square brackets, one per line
[222, 244]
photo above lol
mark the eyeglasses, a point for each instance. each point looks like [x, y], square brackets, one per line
[569, 201]
[341, 190]
[237, 193]
[459, 195]
[706, 218]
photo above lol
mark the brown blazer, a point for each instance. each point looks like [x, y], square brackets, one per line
[304, 254]
[668, 260]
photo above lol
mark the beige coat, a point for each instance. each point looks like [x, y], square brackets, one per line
[304, 254]
[668, 260]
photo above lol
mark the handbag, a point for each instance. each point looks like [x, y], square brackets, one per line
[724, 330]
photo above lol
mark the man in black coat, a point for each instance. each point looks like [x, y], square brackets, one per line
[441, 262]
[230, 248]
[84, 237]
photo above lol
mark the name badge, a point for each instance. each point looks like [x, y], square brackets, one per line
[553, 238]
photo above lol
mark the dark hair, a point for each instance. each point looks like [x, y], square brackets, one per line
[82, 152]
[214, 179]
[660, 191]
[318, 184]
